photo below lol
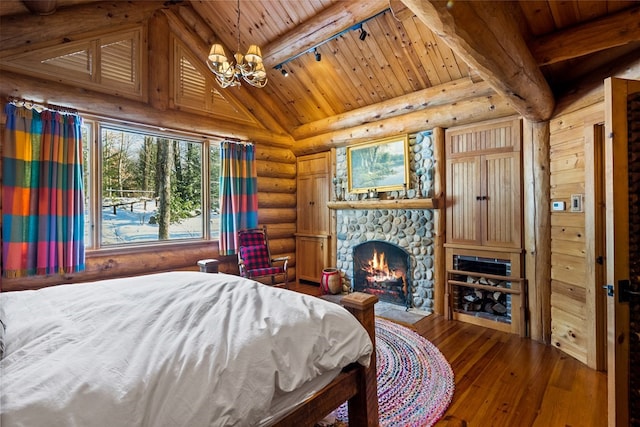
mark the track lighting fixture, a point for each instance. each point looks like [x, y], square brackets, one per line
[363, 34]
[314, 49]
[282, 70]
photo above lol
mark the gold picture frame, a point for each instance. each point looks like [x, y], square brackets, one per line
[381, 165]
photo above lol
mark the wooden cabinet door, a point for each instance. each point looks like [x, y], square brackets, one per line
[313, 214]
[320, 211]
[305, 201]
[464, 200]
[500, 208]
[484, 200]
[311, 257]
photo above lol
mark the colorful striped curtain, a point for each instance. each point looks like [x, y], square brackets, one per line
[42, 193]
[238, 193]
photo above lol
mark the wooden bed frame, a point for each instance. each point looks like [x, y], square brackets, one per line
[356, 383]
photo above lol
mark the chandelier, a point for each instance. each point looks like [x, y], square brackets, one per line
[248, 67]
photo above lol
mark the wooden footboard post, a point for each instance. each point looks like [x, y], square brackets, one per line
[363, 407]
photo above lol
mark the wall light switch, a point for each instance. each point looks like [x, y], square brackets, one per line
[557, 206]
[576, 202]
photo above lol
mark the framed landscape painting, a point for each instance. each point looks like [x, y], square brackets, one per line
[381, 165]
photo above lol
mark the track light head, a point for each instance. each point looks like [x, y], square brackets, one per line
[284, 72]
[363, 34]
[318, 55]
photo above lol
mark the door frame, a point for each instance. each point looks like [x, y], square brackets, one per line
[595, 245]
[617, 230]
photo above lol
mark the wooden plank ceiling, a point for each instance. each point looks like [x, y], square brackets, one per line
[400, 55]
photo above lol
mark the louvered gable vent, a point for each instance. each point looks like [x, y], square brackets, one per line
[107, 63]
[195, 89]
[79, 62]
[192, 86]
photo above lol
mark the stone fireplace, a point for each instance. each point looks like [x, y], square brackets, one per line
[383, 269]
[408, 230]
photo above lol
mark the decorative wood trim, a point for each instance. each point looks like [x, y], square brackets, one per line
[429, 203]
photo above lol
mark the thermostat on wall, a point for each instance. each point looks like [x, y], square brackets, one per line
[557, 206]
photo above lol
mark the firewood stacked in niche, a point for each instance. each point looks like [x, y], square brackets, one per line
[493, 302]
[634, 253]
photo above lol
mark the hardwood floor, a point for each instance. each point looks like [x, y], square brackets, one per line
[504, 380]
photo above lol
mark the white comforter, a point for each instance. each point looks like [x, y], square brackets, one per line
[171, 349]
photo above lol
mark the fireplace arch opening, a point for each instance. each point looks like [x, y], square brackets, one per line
[383, 269]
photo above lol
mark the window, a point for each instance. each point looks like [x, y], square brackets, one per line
[146, 188]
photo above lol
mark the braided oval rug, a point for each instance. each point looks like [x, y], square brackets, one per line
[415, 381]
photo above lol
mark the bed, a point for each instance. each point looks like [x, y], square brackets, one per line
[184, 349]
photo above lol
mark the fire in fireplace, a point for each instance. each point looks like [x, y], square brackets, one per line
[382, 268]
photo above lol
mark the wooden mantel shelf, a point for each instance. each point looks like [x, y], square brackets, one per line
[385, 204]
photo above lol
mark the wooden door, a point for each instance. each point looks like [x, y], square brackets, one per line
[620, 277]
[464, 199]
[501, 202]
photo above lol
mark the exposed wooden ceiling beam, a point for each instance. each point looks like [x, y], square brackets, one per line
[400, 10]
[41, 7]
[332, 20]
[487, 38]
[28, 30]
[610, 31]
[464, 112]
[450, 93]
[130, 111]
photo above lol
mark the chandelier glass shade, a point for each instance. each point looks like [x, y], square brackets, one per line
[249, 67]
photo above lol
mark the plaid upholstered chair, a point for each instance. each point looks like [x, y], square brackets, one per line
[254, 257]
